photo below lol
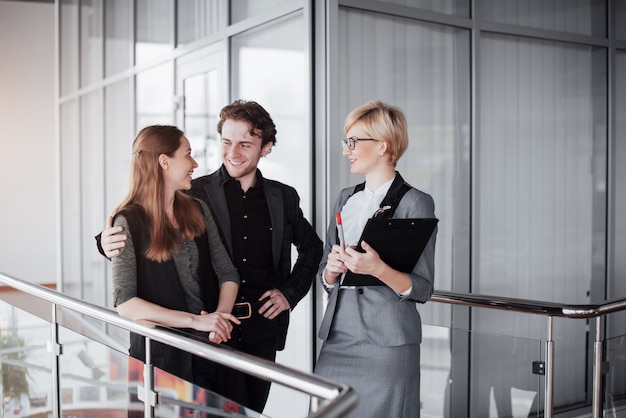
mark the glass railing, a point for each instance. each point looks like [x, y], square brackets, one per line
[502, 385]
[62, 357]
[520, 374]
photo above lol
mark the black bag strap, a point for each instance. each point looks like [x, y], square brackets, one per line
[386, 210]
[391, 200]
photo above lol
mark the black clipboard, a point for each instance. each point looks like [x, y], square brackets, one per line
[399, 242]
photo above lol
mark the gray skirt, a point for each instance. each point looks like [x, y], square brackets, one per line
[386, 379]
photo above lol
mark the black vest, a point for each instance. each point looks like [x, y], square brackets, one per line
[159, 283]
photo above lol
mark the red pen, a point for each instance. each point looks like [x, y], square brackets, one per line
[339, 227]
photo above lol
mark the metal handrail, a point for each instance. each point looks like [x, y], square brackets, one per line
[530, 306]
[336, 399]
[551, 310]
[339, 398]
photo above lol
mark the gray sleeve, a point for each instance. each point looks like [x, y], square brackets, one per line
[124, 268]
[222, 264]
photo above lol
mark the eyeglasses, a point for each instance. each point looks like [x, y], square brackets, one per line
[351, 142]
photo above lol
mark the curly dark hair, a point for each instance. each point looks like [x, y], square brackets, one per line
[260, 122]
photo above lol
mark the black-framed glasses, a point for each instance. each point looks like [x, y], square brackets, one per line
[351, 142]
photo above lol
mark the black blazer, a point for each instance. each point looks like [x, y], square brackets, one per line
[288, 227]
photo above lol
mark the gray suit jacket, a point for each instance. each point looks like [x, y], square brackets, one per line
[389, 320]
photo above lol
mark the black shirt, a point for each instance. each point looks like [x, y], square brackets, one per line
[251, 229]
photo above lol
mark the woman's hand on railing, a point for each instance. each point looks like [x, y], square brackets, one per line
[218, 324]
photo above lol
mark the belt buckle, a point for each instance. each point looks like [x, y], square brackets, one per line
[246, 307]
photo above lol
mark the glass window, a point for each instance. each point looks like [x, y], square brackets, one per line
[118, 138]
[68, 27]
[70, 199]
[118, 31]
[201, 117]
[583, 17]
[423, 69]
[617, 286]
[619, 18]
[454, 7]
[91, 54]
[153, 29]
[155, 96]
[280, 85]
[92, 192]
[196, 19]
[540, 187]
[269, 66]
[243, 9]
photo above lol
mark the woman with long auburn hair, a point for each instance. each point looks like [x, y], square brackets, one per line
[174, 270]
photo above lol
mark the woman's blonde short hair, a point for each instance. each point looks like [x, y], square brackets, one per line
[384, 123]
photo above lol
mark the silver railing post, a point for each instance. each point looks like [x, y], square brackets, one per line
[55, 350]
[146, 393]
[597, 370]
[549, 394]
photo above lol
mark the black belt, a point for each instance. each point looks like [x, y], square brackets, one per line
[245, 310]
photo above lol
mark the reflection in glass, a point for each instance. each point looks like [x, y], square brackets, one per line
[505, 383]
[25, 364]
[153, 30]
[615, 359]
[154, 95]
[94, 377]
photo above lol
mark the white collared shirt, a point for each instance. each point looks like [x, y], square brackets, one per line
[354, 215]
[359, 208]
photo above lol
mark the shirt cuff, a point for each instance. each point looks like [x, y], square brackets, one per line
[406, 292]
[325, 283]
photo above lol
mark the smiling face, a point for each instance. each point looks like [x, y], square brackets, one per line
[366, 155]
[178, 168]
[241, 151]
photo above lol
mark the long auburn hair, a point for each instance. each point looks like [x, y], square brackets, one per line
[146, 191]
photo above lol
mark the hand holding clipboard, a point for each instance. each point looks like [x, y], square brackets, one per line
[398, 242]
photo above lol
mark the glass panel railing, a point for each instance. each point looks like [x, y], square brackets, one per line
[91, 375]
[105, 381]
[502, 381]
[93, 378]
[615, 375]
[24, 364]
[480, 375]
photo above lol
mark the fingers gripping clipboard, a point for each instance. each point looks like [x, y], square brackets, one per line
[398, 242]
